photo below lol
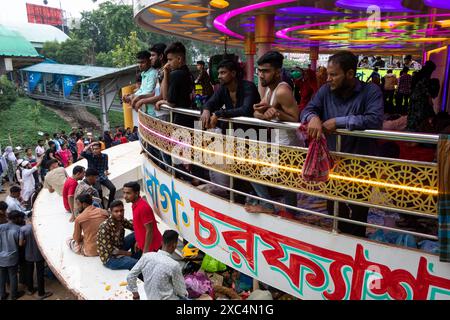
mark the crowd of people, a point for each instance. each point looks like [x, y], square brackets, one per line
[26, 175]
[331, 98]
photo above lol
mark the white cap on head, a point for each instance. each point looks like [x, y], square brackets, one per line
[19, 161]
[25, 163]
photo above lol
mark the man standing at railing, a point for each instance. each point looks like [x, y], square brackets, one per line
[177, 88]
[157, 60]
[178, 83]
[346, 103]
[235, 97]
[277, 104]
[149, 78]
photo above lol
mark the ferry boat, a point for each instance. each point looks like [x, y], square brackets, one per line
[304, 260]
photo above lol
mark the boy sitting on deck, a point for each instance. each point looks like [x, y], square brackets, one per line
[84, 239]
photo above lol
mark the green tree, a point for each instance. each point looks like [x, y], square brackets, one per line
[104, 59]
[8, 92]
[50, 50]
[106, 26]
[75, 51]
[109, 28]
[125, 54]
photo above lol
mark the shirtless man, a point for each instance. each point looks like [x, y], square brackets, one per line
[279, 104]
[278, 98]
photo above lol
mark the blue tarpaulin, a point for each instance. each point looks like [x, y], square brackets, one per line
[69, 83]
[33, 80]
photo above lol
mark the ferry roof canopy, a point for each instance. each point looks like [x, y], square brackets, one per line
[69, 69]
[365, 26]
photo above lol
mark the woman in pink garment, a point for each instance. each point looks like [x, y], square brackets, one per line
[65, 155]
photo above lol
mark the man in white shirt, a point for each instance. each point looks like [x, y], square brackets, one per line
[40, 150]
[163, 279]
[13, 200]
[28, 181]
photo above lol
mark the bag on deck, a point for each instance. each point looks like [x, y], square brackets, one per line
[210, 264]
[318, 162]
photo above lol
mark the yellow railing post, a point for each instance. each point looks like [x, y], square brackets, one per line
[127, 110]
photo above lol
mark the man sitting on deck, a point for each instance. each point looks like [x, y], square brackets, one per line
[157, 60]
[346, 103]
[146, 231]
[69, 189]
[55, 178]
[163, 279]
[86, 226]
[113, 246]
[99, 161]
[149, 79]
[86, 186]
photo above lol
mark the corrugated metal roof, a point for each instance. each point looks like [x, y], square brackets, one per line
[70, 69]
[13, 44]
[37, 34]
[118, 72]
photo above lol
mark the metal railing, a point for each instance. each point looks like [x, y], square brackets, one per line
[375, 134]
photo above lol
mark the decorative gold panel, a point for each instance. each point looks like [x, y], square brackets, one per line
[411, 187]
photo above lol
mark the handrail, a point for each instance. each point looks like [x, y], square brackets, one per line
[375, 134]
[302, 210]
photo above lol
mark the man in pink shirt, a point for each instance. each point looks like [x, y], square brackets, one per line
[148, 237]
[69, 189]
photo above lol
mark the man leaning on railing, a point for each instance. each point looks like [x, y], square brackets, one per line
[346, 103]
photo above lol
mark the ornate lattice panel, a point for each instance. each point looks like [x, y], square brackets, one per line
[385, 183]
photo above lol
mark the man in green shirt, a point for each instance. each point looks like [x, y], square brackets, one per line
[149, 79]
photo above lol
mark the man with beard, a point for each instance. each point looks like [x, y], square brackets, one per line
[346, 103]
[278, 104]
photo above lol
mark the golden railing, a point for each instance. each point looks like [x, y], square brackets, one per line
[391, 184]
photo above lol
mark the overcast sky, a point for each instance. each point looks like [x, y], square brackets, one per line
[14, 11]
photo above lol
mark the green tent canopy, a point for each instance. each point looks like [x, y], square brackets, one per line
[13, 44]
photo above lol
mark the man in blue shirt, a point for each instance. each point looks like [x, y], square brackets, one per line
[33, 257]
[99, 161]
[346, 103]
[9, 254]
